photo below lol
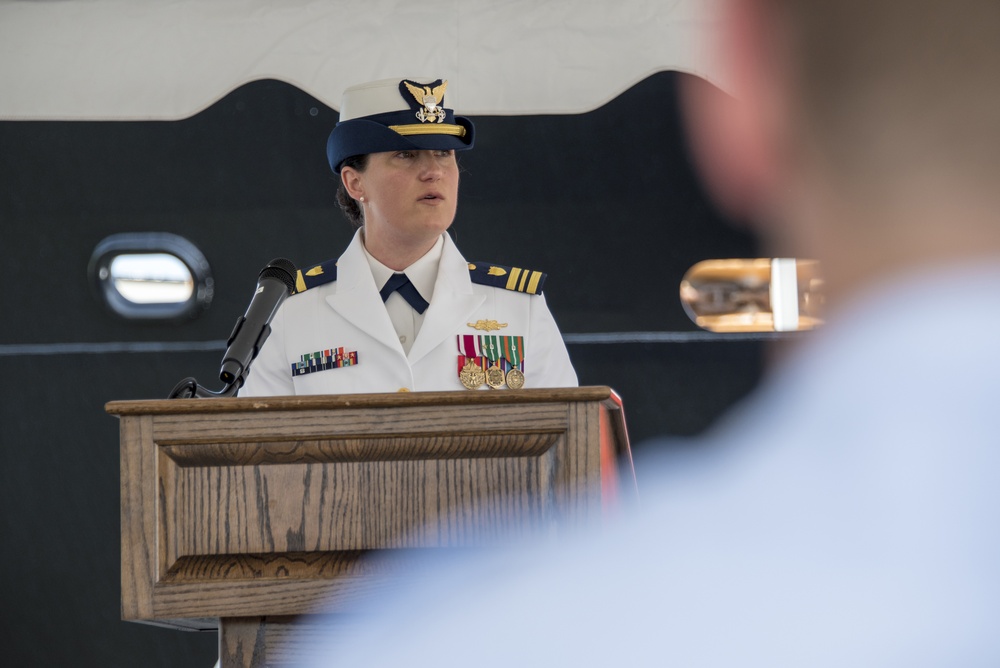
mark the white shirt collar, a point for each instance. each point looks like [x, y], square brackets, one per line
[422, 273]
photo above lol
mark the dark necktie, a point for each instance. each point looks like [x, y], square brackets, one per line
[400, 283]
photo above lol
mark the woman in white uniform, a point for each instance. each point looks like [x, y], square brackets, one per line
[402, 309]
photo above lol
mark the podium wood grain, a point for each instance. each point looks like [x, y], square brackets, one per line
[247, 510]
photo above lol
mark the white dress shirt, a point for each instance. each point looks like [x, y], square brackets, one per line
[422, 274]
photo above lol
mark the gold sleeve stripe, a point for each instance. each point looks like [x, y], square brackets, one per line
[429, 129]
[300, 283]
[533, 283]
[524, 280]
[512, 281]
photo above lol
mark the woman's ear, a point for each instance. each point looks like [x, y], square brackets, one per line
[351, 178]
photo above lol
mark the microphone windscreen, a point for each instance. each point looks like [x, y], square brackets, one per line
[281, 269]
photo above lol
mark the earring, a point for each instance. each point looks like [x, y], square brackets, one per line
[362, 200]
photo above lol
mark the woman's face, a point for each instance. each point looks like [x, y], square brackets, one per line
[410, 197]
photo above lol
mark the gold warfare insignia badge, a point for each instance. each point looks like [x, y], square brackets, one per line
[486, 325]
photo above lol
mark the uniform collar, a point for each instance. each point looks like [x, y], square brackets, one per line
[422, 273]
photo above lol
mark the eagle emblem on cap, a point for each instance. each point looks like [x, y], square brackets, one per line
[429, 99]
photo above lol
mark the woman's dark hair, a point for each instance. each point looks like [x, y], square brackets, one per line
[348, 204]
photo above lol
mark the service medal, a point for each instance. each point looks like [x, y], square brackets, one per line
[472, 375]
[495, 377]
[513, 352]
[471, 364]
[515, 379]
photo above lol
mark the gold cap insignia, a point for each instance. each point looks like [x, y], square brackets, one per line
[430, 100]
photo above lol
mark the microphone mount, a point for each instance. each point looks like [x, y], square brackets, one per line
[189, 388]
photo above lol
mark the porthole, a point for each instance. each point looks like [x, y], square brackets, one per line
[754, 295]
[151, 276]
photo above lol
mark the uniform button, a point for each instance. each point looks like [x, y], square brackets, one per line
[403, 389]
[402, 339]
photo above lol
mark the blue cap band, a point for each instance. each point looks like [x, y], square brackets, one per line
[374, 134]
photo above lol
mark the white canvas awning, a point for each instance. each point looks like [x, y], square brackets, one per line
[169, 59]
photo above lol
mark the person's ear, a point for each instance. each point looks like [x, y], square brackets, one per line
[737, 138]
[351, 178]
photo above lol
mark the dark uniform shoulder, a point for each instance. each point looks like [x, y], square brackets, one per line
[508, 278]
[320, 274]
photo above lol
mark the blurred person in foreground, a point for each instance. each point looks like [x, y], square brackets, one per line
[848, 512]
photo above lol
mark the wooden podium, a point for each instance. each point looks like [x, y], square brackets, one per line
[244, 514]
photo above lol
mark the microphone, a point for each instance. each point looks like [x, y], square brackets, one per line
[274, 284]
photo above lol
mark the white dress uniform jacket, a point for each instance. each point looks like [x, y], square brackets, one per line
[349, 314]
